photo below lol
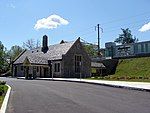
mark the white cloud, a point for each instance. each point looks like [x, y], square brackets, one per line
[51, 22]
[145, 27]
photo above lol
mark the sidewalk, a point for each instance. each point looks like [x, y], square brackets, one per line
[122, 84]
[143, 86]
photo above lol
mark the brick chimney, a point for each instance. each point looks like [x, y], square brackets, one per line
[45, 44]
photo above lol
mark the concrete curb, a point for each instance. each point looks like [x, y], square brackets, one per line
[118, 86]
[103, 84]
[96, 83]
[5, 102]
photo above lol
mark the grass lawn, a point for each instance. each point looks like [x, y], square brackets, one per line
[2, 97]
[133, 69]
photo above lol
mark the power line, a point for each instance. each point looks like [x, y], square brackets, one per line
[81, 33]
[126, 18]
[106, 23]
[85, 29]
[87, 33]
[148, 19]
[116, 20]
[113, 21]
[117, 28]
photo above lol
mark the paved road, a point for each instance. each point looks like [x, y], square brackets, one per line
[33, 96]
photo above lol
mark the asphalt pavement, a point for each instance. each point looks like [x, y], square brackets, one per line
[35, 96]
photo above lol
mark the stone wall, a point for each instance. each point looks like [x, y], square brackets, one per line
[57, 74]
[111, 65]
[19, 71]
[68, 62]
[33, 71]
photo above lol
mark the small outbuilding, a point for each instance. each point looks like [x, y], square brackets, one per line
[98, 69]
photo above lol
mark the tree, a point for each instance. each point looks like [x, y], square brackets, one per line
[91, 50]
[14, 51]
[3, 59]
[126, 37]
[31, 44]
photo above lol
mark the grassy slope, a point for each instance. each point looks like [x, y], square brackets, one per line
[134, 67]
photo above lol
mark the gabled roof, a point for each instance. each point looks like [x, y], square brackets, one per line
[54, 52]
[37, 60]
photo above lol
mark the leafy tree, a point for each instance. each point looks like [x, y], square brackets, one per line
[126, 37]
[31, 44]
[14, 52]
[3, 59]
[91, 50]
[1, 56]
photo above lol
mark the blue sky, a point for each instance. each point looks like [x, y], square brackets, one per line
[19, 17]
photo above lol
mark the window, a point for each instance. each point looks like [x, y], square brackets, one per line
[77, 63]
[139, 48]
[142, 47]
[57, 67]
[21, 68]
[135, 48]
[146, 47]
[37, 69]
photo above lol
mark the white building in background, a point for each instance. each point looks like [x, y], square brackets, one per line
[127, 50]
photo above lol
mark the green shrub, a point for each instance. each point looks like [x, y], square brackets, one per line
[2, 82]
[107, 77]
[1, 90]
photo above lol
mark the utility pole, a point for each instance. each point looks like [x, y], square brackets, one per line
[98, 35]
